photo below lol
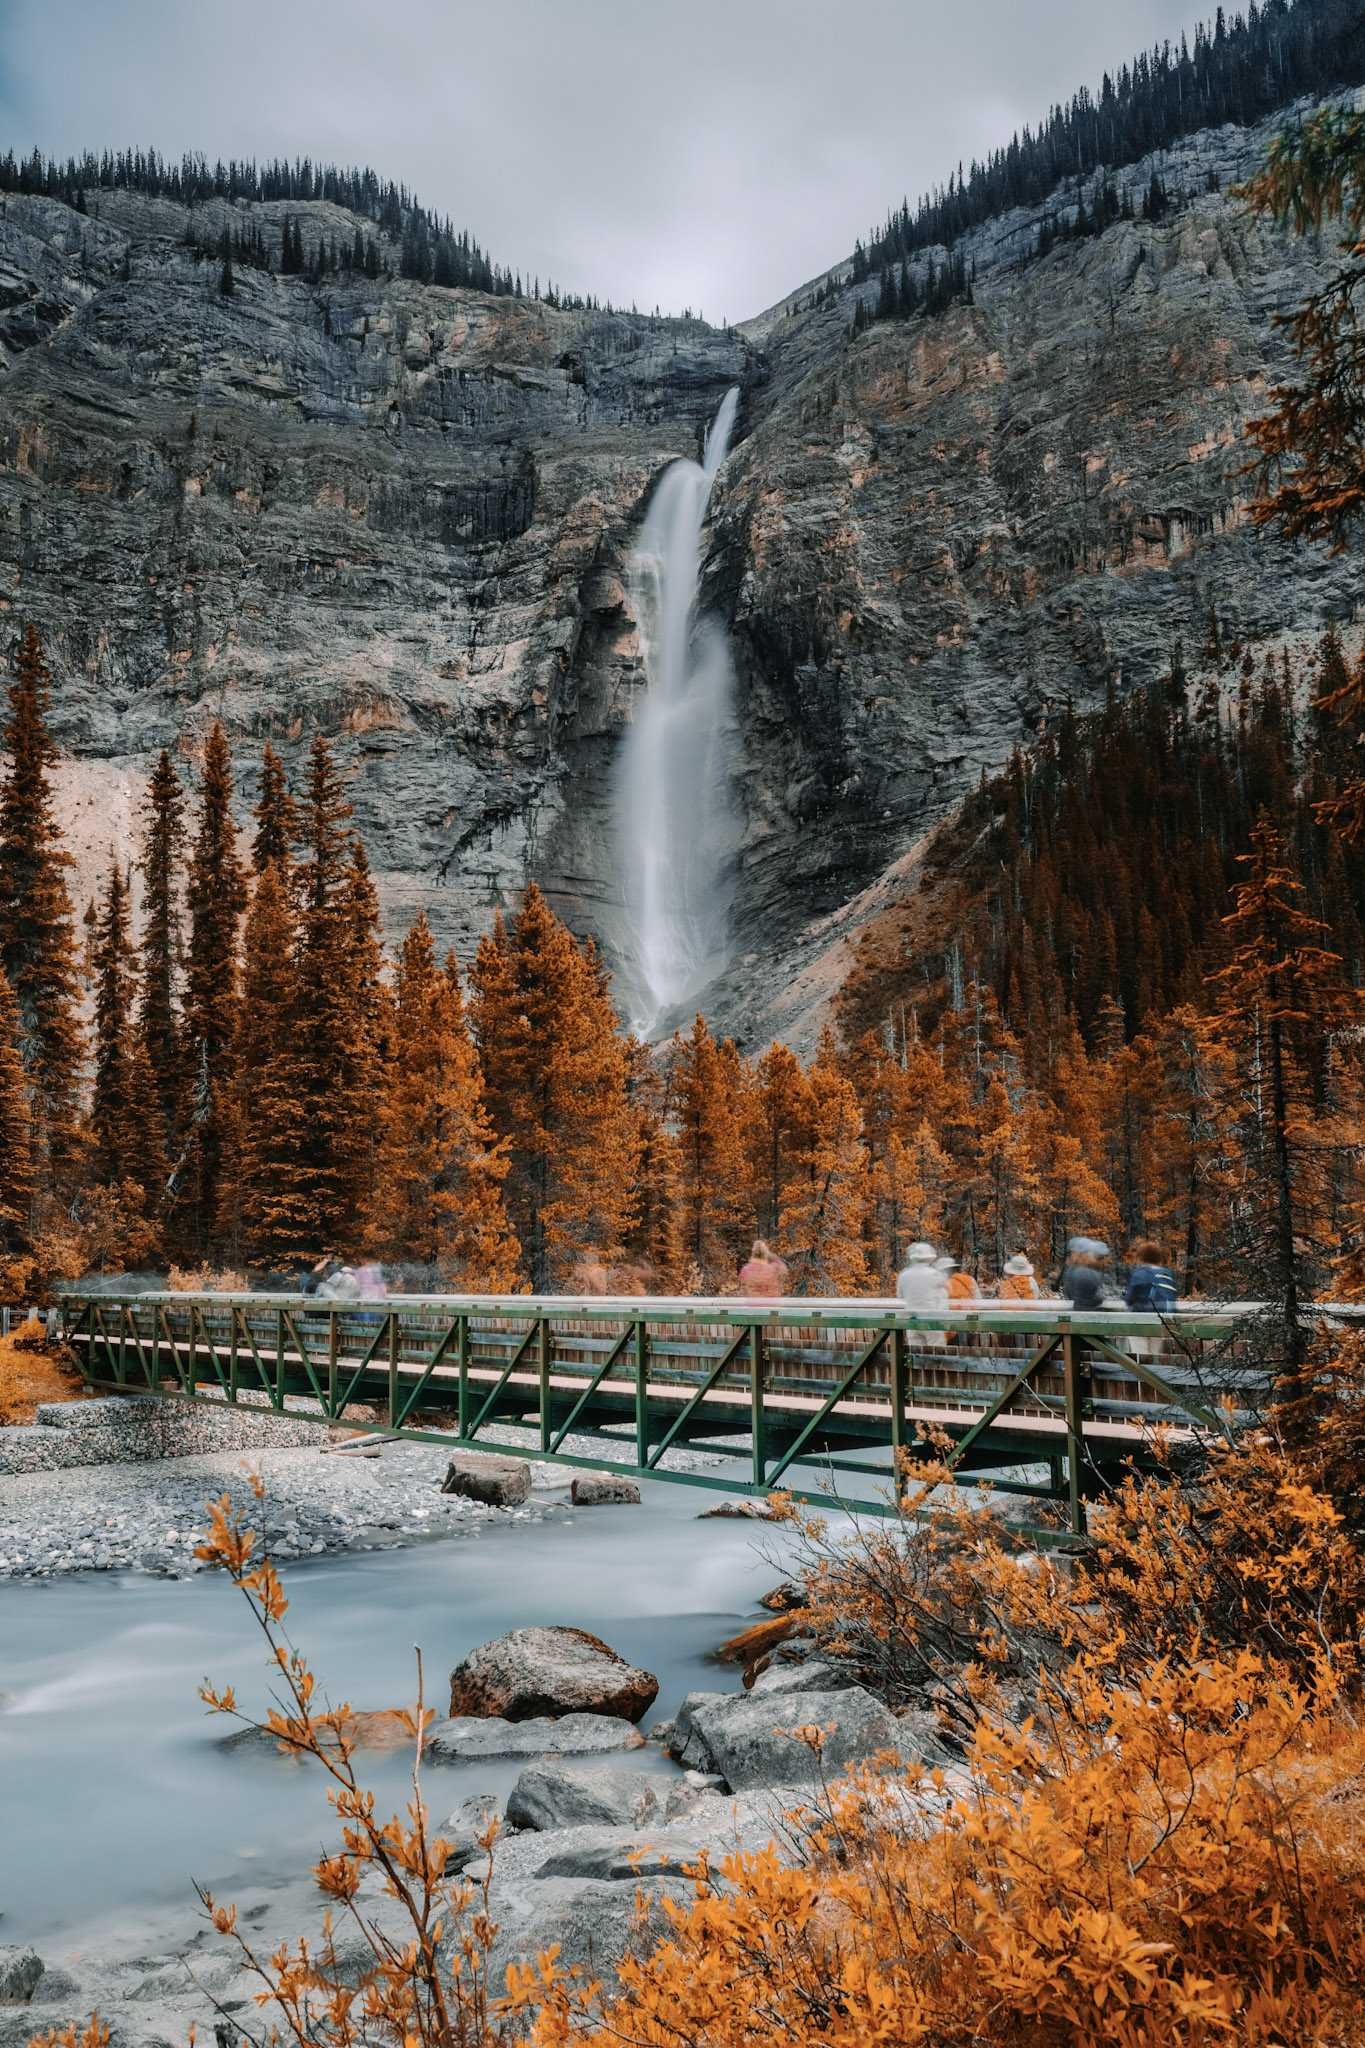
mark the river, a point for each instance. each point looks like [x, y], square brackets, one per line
[115, 1794]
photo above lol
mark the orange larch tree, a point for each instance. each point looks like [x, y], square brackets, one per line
[440, 1168]
[555, 1070]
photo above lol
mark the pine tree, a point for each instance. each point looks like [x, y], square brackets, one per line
[337, 970]
[1282, 997]
[16, 1162]
[111, 1110]
[37, 940]
[438, 1195]
[555, 1071]
[163, 811]
[825, 1219]
[653, 1242]
[277, 818]
[265, 1198]
[216, 898]
[712, 1170]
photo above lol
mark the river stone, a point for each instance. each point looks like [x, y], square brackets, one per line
[573, 1796]
[593, 1924]
[785, 1678]
[20, 1969]
[620, 1858]
[471, 1737]
[497, 1482]
[462, 1830]
[738, 1735]
[603, 1490]
[534, 1671]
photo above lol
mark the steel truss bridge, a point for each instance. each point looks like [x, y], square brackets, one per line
[806, 1395]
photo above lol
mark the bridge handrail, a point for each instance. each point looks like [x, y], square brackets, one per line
[1196, 1320]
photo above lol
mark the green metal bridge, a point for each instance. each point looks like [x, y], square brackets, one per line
[805, 1395]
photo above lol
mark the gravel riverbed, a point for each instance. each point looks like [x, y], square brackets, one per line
[147, 1517]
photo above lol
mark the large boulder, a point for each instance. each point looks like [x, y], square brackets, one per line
[604, 1490]
[469, 1738]
[462, 1830]
[747, 1740]
[591, 1923]
[20, 1969]
[537, 1671]
[497, 1482]
[554, 1795]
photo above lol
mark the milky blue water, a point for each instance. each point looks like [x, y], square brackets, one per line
[113, 1794]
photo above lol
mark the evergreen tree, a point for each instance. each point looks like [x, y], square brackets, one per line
[438, 1197]
[37, 940]
[163, 811]
[16, 1162]
[555, 1070]
[216, 899]
[704, 1082]
[337, 970]
[276, 815]
[1282, 995]
[265, 1198]
[825, 1219]
[125, 1113]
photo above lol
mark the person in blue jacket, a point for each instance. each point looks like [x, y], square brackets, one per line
[1151, 1283]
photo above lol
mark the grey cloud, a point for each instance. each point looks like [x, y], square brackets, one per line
[709, 153]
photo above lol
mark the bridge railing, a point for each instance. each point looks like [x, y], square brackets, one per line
[779, 1384]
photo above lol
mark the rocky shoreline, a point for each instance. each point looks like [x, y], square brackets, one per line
[600, 1817]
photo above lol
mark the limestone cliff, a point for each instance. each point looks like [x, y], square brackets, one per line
[404, 514]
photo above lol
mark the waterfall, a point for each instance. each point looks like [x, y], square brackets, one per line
[674, 833]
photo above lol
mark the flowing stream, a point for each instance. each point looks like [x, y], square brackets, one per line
[116, 1794]
[674, 828]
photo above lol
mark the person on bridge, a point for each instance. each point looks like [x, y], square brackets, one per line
[1083, 1279]
[922, 1287]
[1151, 1287]
[961, 1286]
[763, 1276]
[1018, 1281]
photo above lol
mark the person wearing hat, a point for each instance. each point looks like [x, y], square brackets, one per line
[1018, 1282]
[961, 1286]
[923, 1288]
[1082, 1281]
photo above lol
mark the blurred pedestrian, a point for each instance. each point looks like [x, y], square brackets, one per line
[1082, 1280]
[1151, 1288]
[922, 1287]
[961, 1286]
[763, 1276]
[1018, 1281]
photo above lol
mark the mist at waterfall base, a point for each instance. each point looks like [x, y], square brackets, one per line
[675, 835]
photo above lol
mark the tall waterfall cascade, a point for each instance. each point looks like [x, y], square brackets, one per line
[674, 825]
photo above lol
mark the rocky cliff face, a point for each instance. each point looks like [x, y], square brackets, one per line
[404, 514]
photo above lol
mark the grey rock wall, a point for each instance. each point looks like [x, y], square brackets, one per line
[404, 515]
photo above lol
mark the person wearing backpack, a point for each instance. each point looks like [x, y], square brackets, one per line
[1151, 1288]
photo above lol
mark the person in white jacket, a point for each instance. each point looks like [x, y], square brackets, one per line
[923, 1288]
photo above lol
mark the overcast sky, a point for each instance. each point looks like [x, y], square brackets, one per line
[709, 153]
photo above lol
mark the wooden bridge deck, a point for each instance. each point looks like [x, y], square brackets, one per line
[775, 1389]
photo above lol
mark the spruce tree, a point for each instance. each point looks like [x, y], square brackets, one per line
[163, 812]
[37, 939]
[111, 1109]
[554, 1066]
[712, 1176]
[325, 1032]
[277, 818]
[438, 1196]
[16, 1162]
[1282, 996]
[216, 898]
[266, 1201]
